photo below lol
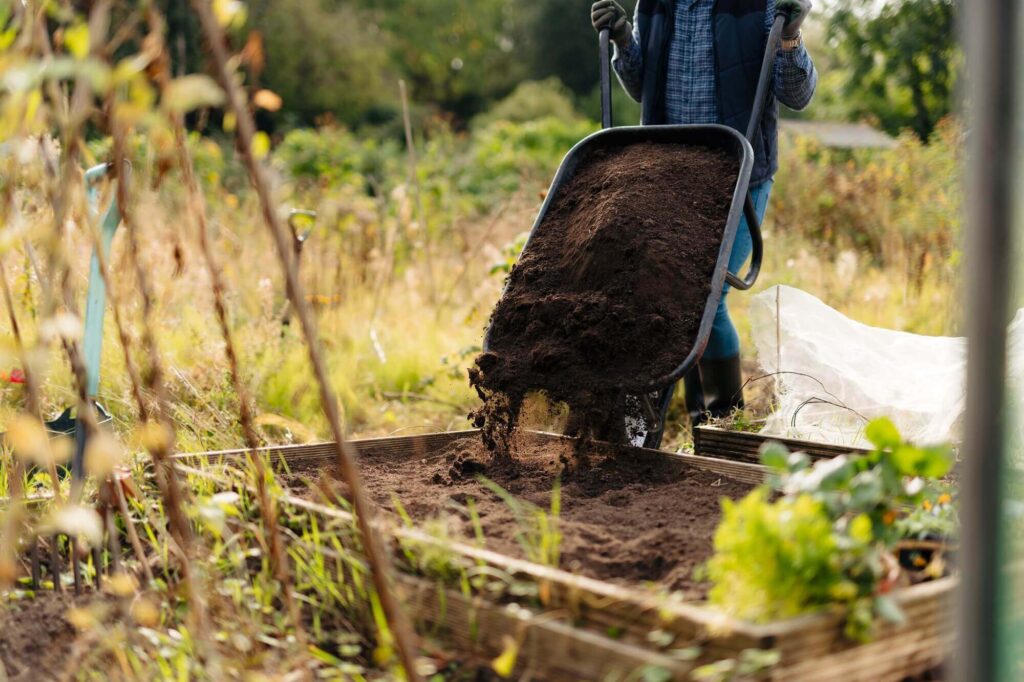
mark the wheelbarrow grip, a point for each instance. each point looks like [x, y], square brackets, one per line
[757, 255]
[764, 89]
[765, 78]
[604, 47]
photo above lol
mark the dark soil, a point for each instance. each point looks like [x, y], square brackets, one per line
[610, 293]
[35, 637]
[625, 517]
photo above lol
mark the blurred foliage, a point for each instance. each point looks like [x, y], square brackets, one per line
[893, 64]
[333, 157]
[458, 55]
[532, 100]
[342, 60]
[495, 159]
[561, 42]
[900, 206]
[902, 61]
[324, 57]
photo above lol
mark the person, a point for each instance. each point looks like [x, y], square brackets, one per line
[698, 62]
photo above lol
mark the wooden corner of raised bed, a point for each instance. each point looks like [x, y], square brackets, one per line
[574, 626]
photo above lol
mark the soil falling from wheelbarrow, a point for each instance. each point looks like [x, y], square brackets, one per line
[610, 293]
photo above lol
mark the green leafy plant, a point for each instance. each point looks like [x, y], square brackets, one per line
[828, 537]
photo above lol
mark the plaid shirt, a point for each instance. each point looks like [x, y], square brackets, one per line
[690, 94]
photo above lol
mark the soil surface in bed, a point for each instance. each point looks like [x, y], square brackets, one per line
[625, 517]
[36, 639]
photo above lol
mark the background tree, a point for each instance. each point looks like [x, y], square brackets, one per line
[459, 55]
[902, 60]
[325, 58]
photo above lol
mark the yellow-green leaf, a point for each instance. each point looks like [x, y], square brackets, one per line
[260, 145]
[860, 528]
[882, 433]
[7, 38]
[76, 40]
[194, 91]
[229, 13]
[505, 663]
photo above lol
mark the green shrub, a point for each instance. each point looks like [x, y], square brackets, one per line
[532, 100]
[507, 154]
[332, 157]
[901, 206]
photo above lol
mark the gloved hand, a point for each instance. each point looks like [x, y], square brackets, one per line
[795, 12]
[609, 14]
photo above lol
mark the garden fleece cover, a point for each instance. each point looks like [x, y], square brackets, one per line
[833, 374]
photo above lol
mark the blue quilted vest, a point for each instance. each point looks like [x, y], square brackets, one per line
[739, 40]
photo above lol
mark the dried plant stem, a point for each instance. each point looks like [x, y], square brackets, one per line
[373, 545]
[135, 383]
[268, 505]
[414, 186]
[160, 440]
[12, 517]
[159, 447]
[133, 535]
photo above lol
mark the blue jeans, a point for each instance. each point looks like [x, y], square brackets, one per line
[724, 341]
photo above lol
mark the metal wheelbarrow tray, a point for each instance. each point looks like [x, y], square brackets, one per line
[712, 137]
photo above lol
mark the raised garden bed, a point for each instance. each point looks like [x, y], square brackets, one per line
[598, 620]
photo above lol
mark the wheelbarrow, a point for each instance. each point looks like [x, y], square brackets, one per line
[654, 398]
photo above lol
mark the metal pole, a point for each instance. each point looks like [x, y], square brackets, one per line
[989, 33]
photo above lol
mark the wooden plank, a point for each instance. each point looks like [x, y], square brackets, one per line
[304, 458]
[550, 648]
[300, 458]
[740, 445]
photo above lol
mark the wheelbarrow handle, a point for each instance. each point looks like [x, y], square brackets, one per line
[757, 255]
[764, 80]
[604, 47]
[764, 89]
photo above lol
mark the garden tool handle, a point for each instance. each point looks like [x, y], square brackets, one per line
[604, 47]
[764, 89]
[750, 213]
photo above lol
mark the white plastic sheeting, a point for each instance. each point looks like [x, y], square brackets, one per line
[833, 374]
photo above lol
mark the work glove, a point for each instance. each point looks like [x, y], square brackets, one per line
[795, 12]
[609, 14]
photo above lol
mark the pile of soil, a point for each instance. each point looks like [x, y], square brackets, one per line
[610, 294]
[35, 637]
[625, 517]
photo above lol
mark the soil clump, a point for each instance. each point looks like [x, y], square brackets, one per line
[610, 293]
[625, 517]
